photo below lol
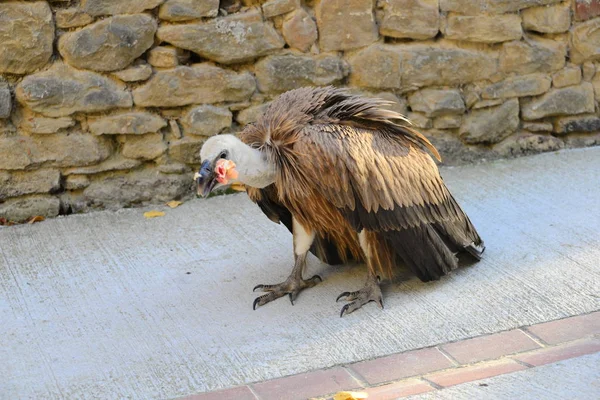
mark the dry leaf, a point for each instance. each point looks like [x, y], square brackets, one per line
[350, 395]
[154, 214]
[5, 222]
[37, 218]
[174, 203]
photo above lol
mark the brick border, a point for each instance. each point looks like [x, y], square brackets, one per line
[436, 367]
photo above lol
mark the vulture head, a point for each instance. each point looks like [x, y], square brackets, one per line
[227, 161]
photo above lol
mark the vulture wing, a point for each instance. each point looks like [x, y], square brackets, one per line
[383, 182]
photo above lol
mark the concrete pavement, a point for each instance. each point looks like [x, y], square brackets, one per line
[110, 304]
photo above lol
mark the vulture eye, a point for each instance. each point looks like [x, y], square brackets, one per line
[223, 154]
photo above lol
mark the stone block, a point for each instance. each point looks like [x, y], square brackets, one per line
[58, 150]
[279, 73]
[136, 187]
[115, 163]
[487, 103]
[144, 147]
[533, 55]
[377, 66]
[28, 121]
[227, 40]
[537, 126]
[201, 83]
[483, 28]
[135, 73]
[585, 42]
[251, 114]
[186, 150]
[21, 183]
[579, 123]
[475, 7]
[547, 19]
[206, 120]
[76, 182]
[518, 86]
[300, 31]
[110, 44]
[23, 208]
[114, 7]
[411, 66]
[72, 18]
[568, 76]
[135, 122]
[588, 71]
[565, 101]
[447, 122]
[524, 143]
[185, 10]
[273, 8]
[346, 24]
[491, 125]
[413, 19]
[436, 102]
[26, 36]
[61, 91]
[167, 56]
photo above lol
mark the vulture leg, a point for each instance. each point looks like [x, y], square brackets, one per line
[294, 284]
[371, 291]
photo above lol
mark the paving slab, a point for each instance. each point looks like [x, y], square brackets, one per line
[111, 305]
[574, 379]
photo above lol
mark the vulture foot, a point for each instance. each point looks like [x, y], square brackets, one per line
[370, 292]
[292, 287]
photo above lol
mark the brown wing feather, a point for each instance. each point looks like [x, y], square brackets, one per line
[385, 184]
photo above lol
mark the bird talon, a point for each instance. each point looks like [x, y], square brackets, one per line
[342, 295]
[344, 309]
[258, 287]
[317, 276]
[291, 298]
[255, 302]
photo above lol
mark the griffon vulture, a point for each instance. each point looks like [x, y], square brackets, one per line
[350, 183]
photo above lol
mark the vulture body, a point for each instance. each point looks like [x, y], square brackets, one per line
[350, 183]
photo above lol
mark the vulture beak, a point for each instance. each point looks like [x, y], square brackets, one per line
[205, 179]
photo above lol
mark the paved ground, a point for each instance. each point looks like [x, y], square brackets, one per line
[573, 379]
[113, 305]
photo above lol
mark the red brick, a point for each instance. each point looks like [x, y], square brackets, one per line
[490, 346]
[561, 352]
[474, 372]
[236, 393]
[399, 389]
[586, 9]
[403, 365]
[564, 330]
[309, 384]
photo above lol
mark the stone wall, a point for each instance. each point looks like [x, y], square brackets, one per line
[106, 103]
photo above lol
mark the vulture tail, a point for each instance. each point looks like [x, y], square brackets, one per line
[430, 250]
[423, 250]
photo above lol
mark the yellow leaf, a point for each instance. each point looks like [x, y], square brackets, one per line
[154, 214]
[174, 203]
[350, 395]
[37, 218]
[239, 187]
